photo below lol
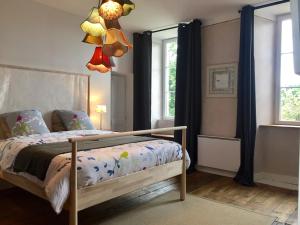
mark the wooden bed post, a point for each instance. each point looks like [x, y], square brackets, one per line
[183, 175]
[73, 212]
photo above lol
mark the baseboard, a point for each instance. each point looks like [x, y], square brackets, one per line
[276, 180]
[215, 171]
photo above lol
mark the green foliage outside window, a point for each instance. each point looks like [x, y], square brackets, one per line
[290, 104]
[172, 52]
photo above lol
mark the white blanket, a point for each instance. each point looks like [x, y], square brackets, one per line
[93, 166]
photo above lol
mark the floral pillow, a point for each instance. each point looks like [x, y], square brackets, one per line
[75, 120]
[22, 123]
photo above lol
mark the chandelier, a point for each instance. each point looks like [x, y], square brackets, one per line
[103, 29]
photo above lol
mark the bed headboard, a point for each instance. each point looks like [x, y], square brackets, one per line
[29, 88]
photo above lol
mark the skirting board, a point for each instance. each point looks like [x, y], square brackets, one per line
[224, 173]
[276, 180]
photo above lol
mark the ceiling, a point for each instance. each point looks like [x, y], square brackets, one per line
[153, 14]
[273, 11]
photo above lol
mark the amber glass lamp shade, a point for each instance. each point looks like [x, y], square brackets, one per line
[116, 43]
[94, 25]
[110, 10]
[99, 62]
[89, 39]
[112, 24]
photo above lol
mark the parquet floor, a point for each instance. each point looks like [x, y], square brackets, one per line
[18, 207]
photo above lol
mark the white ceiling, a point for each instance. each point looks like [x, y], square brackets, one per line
[273, 11]
[153, 14]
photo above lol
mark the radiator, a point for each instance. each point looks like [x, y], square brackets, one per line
[219, 153]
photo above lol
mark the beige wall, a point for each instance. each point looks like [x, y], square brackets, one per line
[124, 66]
[264, 47]
[281, 150]
[37, 36]
[220, 45]
[265, 84]
[276, 148]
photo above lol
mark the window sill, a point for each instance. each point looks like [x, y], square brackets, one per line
[281, 126]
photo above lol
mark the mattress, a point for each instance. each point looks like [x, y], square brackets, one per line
[93, 166]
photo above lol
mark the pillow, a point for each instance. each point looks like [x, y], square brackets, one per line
[22, 123]
[57, 123]
[75, 120]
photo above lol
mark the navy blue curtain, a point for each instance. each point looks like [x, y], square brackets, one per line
[142, 64]
[246, 112]
[188, 85]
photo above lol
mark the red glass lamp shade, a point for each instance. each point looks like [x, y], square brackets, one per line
[99, 62]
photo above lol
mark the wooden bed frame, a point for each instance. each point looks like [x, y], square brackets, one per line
[86, 197]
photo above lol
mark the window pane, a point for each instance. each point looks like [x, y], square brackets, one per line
[289, 81]
[290, 104]
[286, 36]
[288, 78]
[170, 78]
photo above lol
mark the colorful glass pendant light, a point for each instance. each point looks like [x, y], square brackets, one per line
[99, 62]
[110, 10]
[89, 39]
[103, 29]
[128, 6]
[112, 24]
[116, 43]
[94, 25]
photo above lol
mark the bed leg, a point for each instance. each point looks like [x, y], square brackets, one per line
[73, 212]
[183, 175]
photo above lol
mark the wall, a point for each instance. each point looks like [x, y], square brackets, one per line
[265, 82]
[276, 153]
[124, 66]
[156, 96]
[277, 148]
[35, 35]
[220, 45]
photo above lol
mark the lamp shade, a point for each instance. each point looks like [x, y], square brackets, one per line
[99, 62]
[110, 10]
[112, 24]
[89, 39]
[116, 43]
[101, 108]
[94, 25]
[128, 6]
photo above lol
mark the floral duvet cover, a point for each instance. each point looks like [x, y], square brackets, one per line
[93, 166]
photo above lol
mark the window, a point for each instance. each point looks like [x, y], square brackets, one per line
[169, 77]
[288, 83]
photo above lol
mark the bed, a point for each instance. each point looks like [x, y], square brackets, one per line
[83, 190]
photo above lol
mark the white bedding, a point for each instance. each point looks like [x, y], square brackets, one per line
[93, 166]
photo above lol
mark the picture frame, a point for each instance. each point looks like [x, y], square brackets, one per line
[222, 81]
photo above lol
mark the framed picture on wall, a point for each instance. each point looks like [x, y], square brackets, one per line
[222, 80]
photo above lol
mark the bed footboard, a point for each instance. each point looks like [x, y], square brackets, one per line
[86, 197]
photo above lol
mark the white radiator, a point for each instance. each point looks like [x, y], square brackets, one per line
[219, 153]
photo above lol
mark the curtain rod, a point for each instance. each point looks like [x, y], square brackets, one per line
[271, 4]
[164, 29]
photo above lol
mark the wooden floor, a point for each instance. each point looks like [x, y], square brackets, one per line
[18, 207]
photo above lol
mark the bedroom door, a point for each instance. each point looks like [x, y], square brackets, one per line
[118, 102]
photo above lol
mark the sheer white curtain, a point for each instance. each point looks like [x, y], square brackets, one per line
[295, 6]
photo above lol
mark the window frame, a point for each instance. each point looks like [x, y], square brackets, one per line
[278, 121]
[164, 75]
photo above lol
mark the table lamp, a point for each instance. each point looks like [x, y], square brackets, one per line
[101, 109]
